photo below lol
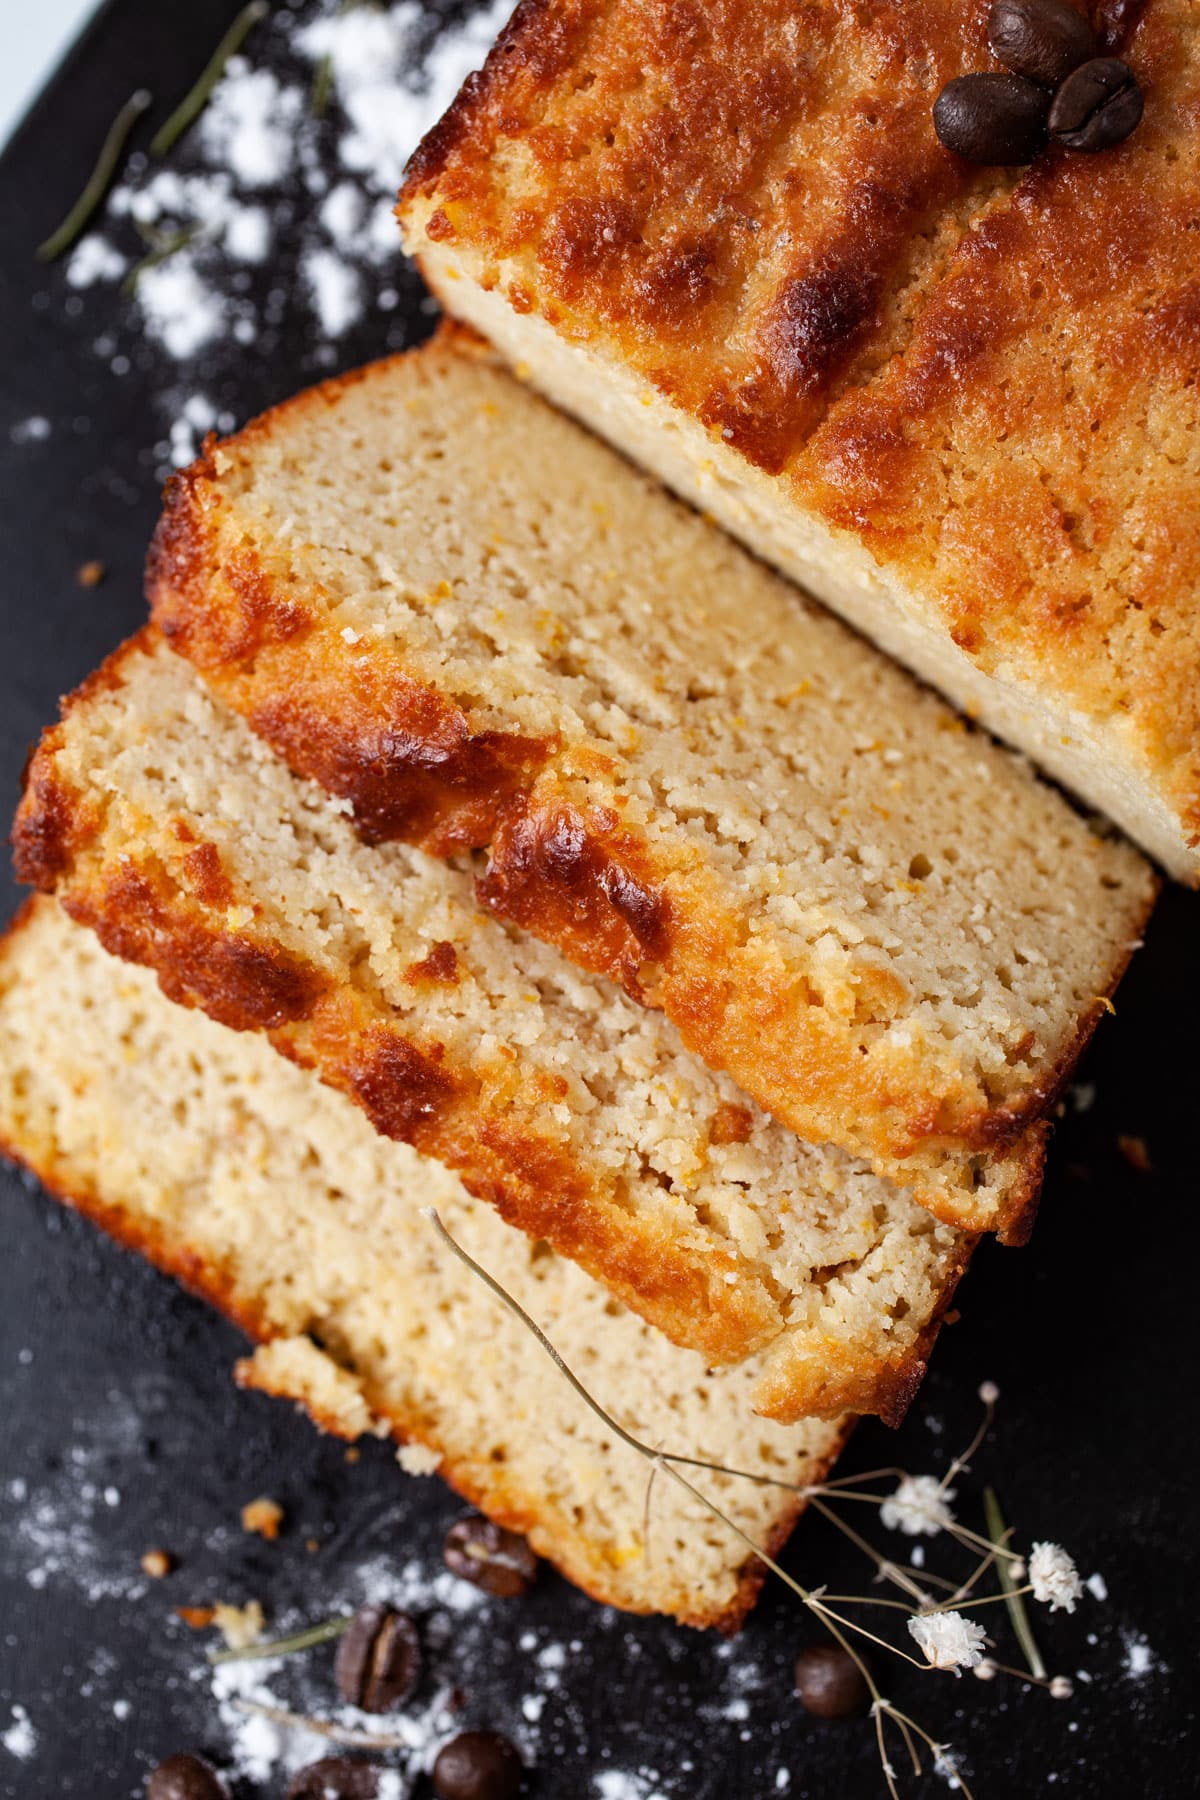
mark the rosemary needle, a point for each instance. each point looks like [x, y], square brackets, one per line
[299, 1640]
[163, 248]
[194, 101]
[98, 181]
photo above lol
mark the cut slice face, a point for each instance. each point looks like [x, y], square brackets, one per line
[164, 823]
[273, 1198]
[469, 619]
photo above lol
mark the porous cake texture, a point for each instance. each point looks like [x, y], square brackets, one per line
[959, 406]
[162, 821]
[273, 1198]
[474, 623]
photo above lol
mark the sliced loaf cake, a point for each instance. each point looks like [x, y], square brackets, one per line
[273, 1198]
[959, 405]
[474, 623]
[162, 821]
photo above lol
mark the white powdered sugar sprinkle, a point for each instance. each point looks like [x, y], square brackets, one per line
[20, 1740]
[375, 78]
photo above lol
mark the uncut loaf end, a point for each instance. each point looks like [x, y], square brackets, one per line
[471, 620]
[958, 405]
[272, 1197]
[162, 821]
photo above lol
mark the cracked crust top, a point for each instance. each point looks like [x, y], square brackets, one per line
[978, 388]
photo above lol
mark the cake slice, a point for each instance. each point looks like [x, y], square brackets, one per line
[164, 823]
[272, 1197]
[480, 628]
[959, 406]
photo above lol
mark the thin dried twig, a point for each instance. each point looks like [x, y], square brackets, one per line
[326, 1728]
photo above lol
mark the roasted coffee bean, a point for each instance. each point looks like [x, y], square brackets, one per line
[479, 1765]
[1096, 107]
[496, 1560]
[335, 1778]
[830, 1682]
[992, 118]
[1040, 39]
[184, 1778]
[378, 1661]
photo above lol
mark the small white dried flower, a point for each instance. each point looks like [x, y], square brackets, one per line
[989, 1393]
[1016, 1568]
[1061, 1688]
[919, 1507]
[1054, 1577]
[948, 1640]
[985, 1670]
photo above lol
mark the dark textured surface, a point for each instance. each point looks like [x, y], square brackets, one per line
[109, 1378]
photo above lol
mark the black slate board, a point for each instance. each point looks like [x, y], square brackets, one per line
[110, 1377]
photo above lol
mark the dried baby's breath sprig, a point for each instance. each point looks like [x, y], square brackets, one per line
[948, 1640]
[920, 1507]
[999, 1534]
[98, 181]
[197, 96]
[308, 1639]
[839, 1627]
[1054, 1578]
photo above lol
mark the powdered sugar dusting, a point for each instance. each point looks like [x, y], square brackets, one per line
[1138, 1660]
[20, 1740]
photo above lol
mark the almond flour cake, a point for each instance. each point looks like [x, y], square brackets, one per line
[163, 822]
[271, 1196]
[959, 405]
[470, 620]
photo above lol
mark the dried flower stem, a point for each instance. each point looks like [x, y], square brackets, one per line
[326, 1728]
[98, 181]
[665, 1461]
[197, 96]
[962, 1462]
[889, 1570]
[998, 1533]
[284, 1646]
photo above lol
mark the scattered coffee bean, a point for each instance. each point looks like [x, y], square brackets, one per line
[830, 1682]
[496, 1560]
[479, 1765]
[1040, 39]
[1097, 106]
[378, 1661]
[992, 118]
[184, 1778]
[335, 1778]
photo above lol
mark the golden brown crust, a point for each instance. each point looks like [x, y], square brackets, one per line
[987, 382]
[1066, 328]
[411, 1091]
[403, 754]
[149, 896]
[895, 1384]
[683, 174]
[482, 1484]
[580, 877]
